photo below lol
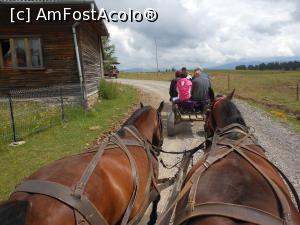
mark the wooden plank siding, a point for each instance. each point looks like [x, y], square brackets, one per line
[58, 53]
[59, 62]
[90, 56]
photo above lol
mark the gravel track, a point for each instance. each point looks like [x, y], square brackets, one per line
[281, 144]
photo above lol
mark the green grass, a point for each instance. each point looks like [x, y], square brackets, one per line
[80, 132]
[166, 76]
[109, 90]
[30, 117]
[274, 91]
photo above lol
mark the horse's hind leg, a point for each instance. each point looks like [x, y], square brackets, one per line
[153, 215]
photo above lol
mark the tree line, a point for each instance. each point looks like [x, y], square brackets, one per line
[291, 65]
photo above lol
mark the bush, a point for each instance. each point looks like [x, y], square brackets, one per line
[109, 90]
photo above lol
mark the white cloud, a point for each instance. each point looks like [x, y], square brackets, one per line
[206, 32]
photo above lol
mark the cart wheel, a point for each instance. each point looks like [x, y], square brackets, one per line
[171, 124]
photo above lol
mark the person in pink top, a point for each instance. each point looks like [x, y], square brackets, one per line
[184, 88]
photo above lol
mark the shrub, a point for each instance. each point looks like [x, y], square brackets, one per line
[109, 90]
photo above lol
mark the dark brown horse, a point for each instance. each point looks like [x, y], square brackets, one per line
[234, 183]
[107, 187]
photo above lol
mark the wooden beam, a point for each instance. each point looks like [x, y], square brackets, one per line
[1, 56]
[28, 52]
[13, 53]
[41, 53]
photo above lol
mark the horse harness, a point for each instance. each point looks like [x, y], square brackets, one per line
[220, 148]
[85, 211]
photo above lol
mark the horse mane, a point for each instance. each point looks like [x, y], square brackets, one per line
[135, 115]
[231, 114]
[132, 119]
[13, 213]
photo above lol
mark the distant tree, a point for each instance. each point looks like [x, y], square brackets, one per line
[241, 67]
[251, 67]
[109, 54]
[262, 66]
[173, 69]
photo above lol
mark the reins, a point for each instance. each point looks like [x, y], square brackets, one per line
[193, 150]
[237, 146]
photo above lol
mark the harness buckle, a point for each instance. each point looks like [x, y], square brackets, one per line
[206, 164]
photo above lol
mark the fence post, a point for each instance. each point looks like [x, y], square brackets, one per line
[12, 118]
[228, 82]
[297, 91]
[62, 105]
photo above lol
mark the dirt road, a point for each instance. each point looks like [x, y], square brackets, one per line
[281, 144]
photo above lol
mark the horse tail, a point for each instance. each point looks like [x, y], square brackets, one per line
[13, 213]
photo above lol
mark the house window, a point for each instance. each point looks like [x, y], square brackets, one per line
[5, 56]
[36, 52]
[21, 53]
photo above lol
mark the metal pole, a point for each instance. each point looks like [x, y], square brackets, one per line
[62, 105]
[156, 57]
[12, 118]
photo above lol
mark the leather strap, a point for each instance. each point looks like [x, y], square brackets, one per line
[211, 159]
[281, 196]
[65, 195]
[135, 177]
[135, 133]
[79, 188]
[79, 202]
[79, 219]
[289, 183]
[238, 212]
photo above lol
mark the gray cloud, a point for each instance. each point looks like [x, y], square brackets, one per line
[206, 32]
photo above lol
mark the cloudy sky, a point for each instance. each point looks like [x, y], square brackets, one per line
[206, 32]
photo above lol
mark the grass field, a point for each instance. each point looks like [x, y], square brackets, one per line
[81, 130]
[30, 117]
[274, 91]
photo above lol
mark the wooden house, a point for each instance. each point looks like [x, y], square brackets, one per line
[43, 53]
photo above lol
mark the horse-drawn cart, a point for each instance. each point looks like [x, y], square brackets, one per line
[185, 111]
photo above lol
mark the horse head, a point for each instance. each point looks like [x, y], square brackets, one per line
[222, 112]
[148, 121]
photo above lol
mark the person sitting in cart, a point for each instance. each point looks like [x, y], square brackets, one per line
[200, 86]
[173, 88]
[184, 88]
[185, 73]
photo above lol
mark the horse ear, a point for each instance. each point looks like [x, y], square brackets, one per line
[161, 106]
[230, 96]
[142, 105]
[211, 94]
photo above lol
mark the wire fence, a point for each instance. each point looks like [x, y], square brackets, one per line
[25, 112]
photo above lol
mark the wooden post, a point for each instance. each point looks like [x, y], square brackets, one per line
[228, 82]
[62, 105]
[297, 91]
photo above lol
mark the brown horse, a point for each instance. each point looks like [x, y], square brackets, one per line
[234, 183]
[112, 188]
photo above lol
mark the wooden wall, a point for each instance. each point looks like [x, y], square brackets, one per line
[58, 53]
[60, 65]
[90, 56]
[59, 57]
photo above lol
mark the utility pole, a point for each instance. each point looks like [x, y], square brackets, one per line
[156, 57]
